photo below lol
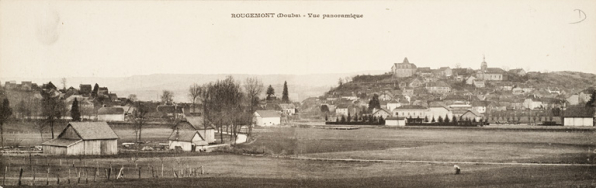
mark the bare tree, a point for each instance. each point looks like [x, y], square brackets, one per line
[167, 97]
[194, 92]
[40, 126]
[253, 88]
[140, 119]
[52, 107]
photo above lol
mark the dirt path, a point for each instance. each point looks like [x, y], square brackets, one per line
[437, 162]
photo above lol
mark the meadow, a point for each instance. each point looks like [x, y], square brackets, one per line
[369, 156]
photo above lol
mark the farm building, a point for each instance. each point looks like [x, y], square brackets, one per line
[186, 128]
[110, 114]
[267, 118]
[84, 138]
[472, 115]
[187, 140]
[395, 121]
[579, 116]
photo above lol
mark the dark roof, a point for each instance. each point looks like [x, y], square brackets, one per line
[579, 111]
[196, 122]
[184, 135]
[268, 113]
[411, 107]
[110, 110]
[494, 70]
[93, 130]
[476, 113]
[61, 142]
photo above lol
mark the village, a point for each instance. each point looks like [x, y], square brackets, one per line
[259, 94]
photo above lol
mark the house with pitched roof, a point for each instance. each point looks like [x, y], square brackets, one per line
[191, 134]
[472, 115]
[83, 138]
[267, 118]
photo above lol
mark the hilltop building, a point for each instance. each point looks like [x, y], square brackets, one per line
[403, 69]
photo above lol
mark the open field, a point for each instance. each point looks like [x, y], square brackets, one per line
[471, 148]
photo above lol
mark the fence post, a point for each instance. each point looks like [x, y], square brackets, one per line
[48, 177]
[20, 175]
[33, 182]
[140, 172]
[68, 180]
[202, 172]
[4, 178]
[162, 169]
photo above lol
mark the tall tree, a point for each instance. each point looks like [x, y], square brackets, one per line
[253, 88]
[5, 113]
[194, 92]
[167, 97]
[592, 101]
[224, 105]
[74, 111]
[95, 90]
[132, 98]
[374, 103]
[285, 97]
[270, 91]
[139, 117]
[52, 107]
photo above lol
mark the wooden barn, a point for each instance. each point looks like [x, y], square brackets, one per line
[84, 138]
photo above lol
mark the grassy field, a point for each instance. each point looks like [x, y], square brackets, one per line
[446, 147]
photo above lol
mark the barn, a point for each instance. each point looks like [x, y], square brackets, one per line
[267, 117]
[579, 116]
[83, 138]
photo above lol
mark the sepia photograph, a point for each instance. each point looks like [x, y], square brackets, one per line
[302, 93]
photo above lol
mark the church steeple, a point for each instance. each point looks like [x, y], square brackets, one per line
[406, 60]
[483, 66]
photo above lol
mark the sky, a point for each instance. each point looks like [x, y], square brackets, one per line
[43, 39]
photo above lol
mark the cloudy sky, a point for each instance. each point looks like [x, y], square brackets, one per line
[40, 39]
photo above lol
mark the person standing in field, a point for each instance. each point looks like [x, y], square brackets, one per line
[457, 169]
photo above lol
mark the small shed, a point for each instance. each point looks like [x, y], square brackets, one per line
[186, 139]
[267, 117]
[83, 138]
[110, 114]
[579, 116]
[395, 121]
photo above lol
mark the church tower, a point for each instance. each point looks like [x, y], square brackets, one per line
[483, 65]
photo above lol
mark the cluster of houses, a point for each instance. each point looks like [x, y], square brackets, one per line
[422, 92]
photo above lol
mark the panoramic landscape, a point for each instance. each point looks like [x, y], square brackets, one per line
[203, 94]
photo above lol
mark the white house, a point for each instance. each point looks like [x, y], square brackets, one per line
[267, 118]
[395, 121]
[110, 114]
[393, 104]
[579, 116]
[187, 140]
[381, 113]
[342, 110]
[288, 108]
